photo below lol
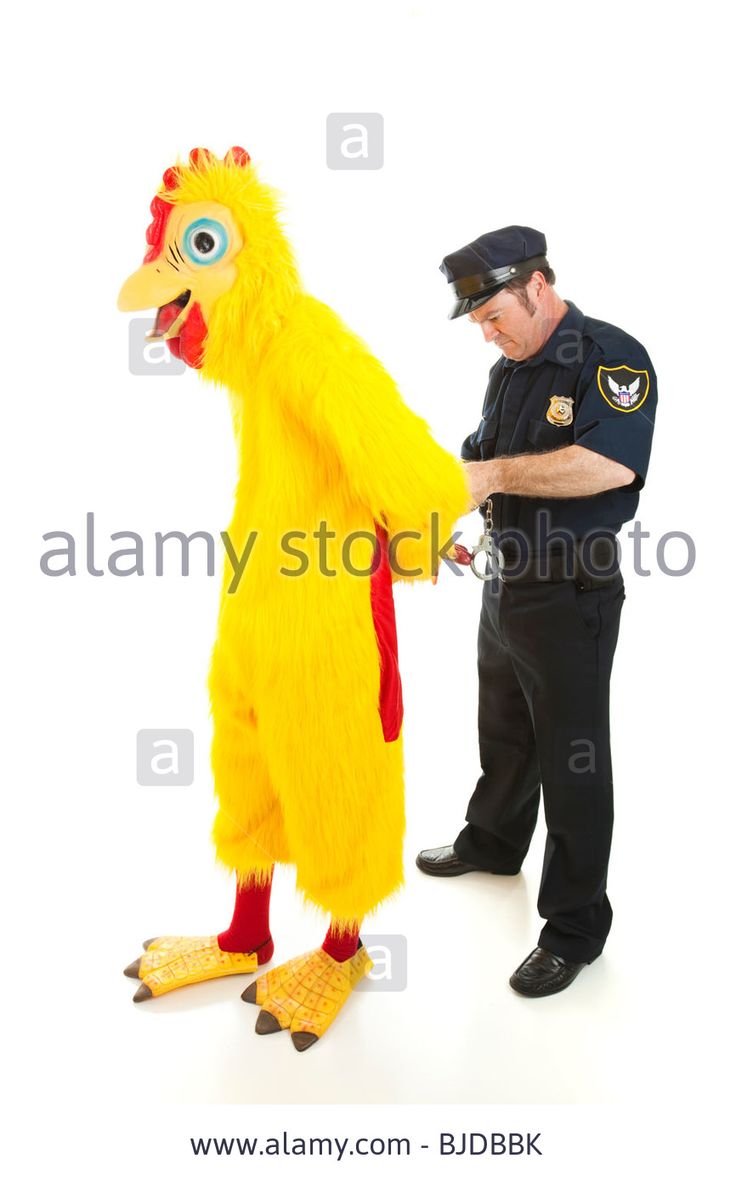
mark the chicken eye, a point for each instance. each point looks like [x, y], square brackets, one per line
[205, 241]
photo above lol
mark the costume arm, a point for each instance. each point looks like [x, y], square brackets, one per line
[386, 452]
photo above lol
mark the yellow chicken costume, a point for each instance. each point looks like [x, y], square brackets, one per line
[341, 492]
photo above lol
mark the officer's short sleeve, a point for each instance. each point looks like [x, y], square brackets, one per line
[470, 449]
[615, 416]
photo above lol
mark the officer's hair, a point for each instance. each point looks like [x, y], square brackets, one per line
[519, 285]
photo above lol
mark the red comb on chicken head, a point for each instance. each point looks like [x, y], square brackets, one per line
[190, 260]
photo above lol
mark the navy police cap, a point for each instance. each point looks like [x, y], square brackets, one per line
[484, 267]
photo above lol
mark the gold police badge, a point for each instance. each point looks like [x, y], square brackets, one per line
[559, 412]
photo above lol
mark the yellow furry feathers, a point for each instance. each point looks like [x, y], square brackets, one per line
[303, 773]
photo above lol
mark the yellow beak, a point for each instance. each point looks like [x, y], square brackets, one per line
[149, 288]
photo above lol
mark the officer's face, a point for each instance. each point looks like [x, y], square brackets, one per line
[507, 323]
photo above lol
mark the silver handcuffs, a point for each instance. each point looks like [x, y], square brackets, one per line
[488, 547]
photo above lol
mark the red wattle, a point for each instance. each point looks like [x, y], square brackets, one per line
[192, 338]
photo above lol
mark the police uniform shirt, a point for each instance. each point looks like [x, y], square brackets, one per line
[591, 384]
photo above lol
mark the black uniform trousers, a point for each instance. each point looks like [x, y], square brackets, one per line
[545, 651]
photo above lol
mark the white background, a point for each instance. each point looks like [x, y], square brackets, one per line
[608, 128]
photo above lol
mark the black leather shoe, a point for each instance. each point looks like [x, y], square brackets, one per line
[543, 973]
[444, 862]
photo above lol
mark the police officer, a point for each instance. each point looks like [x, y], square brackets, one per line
[556, 466]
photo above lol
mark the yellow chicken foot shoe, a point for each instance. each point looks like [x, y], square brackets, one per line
[305, 994]
[173, 961]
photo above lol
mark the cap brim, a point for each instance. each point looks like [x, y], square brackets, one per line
[463, 306]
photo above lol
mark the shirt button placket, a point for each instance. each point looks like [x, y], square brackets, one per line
[507, 421]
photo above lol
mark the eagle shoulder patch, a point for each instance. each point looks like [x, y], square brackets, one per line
[623, 388]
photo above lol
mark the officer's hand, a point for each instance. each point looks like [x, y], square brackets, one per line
[478, 476]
